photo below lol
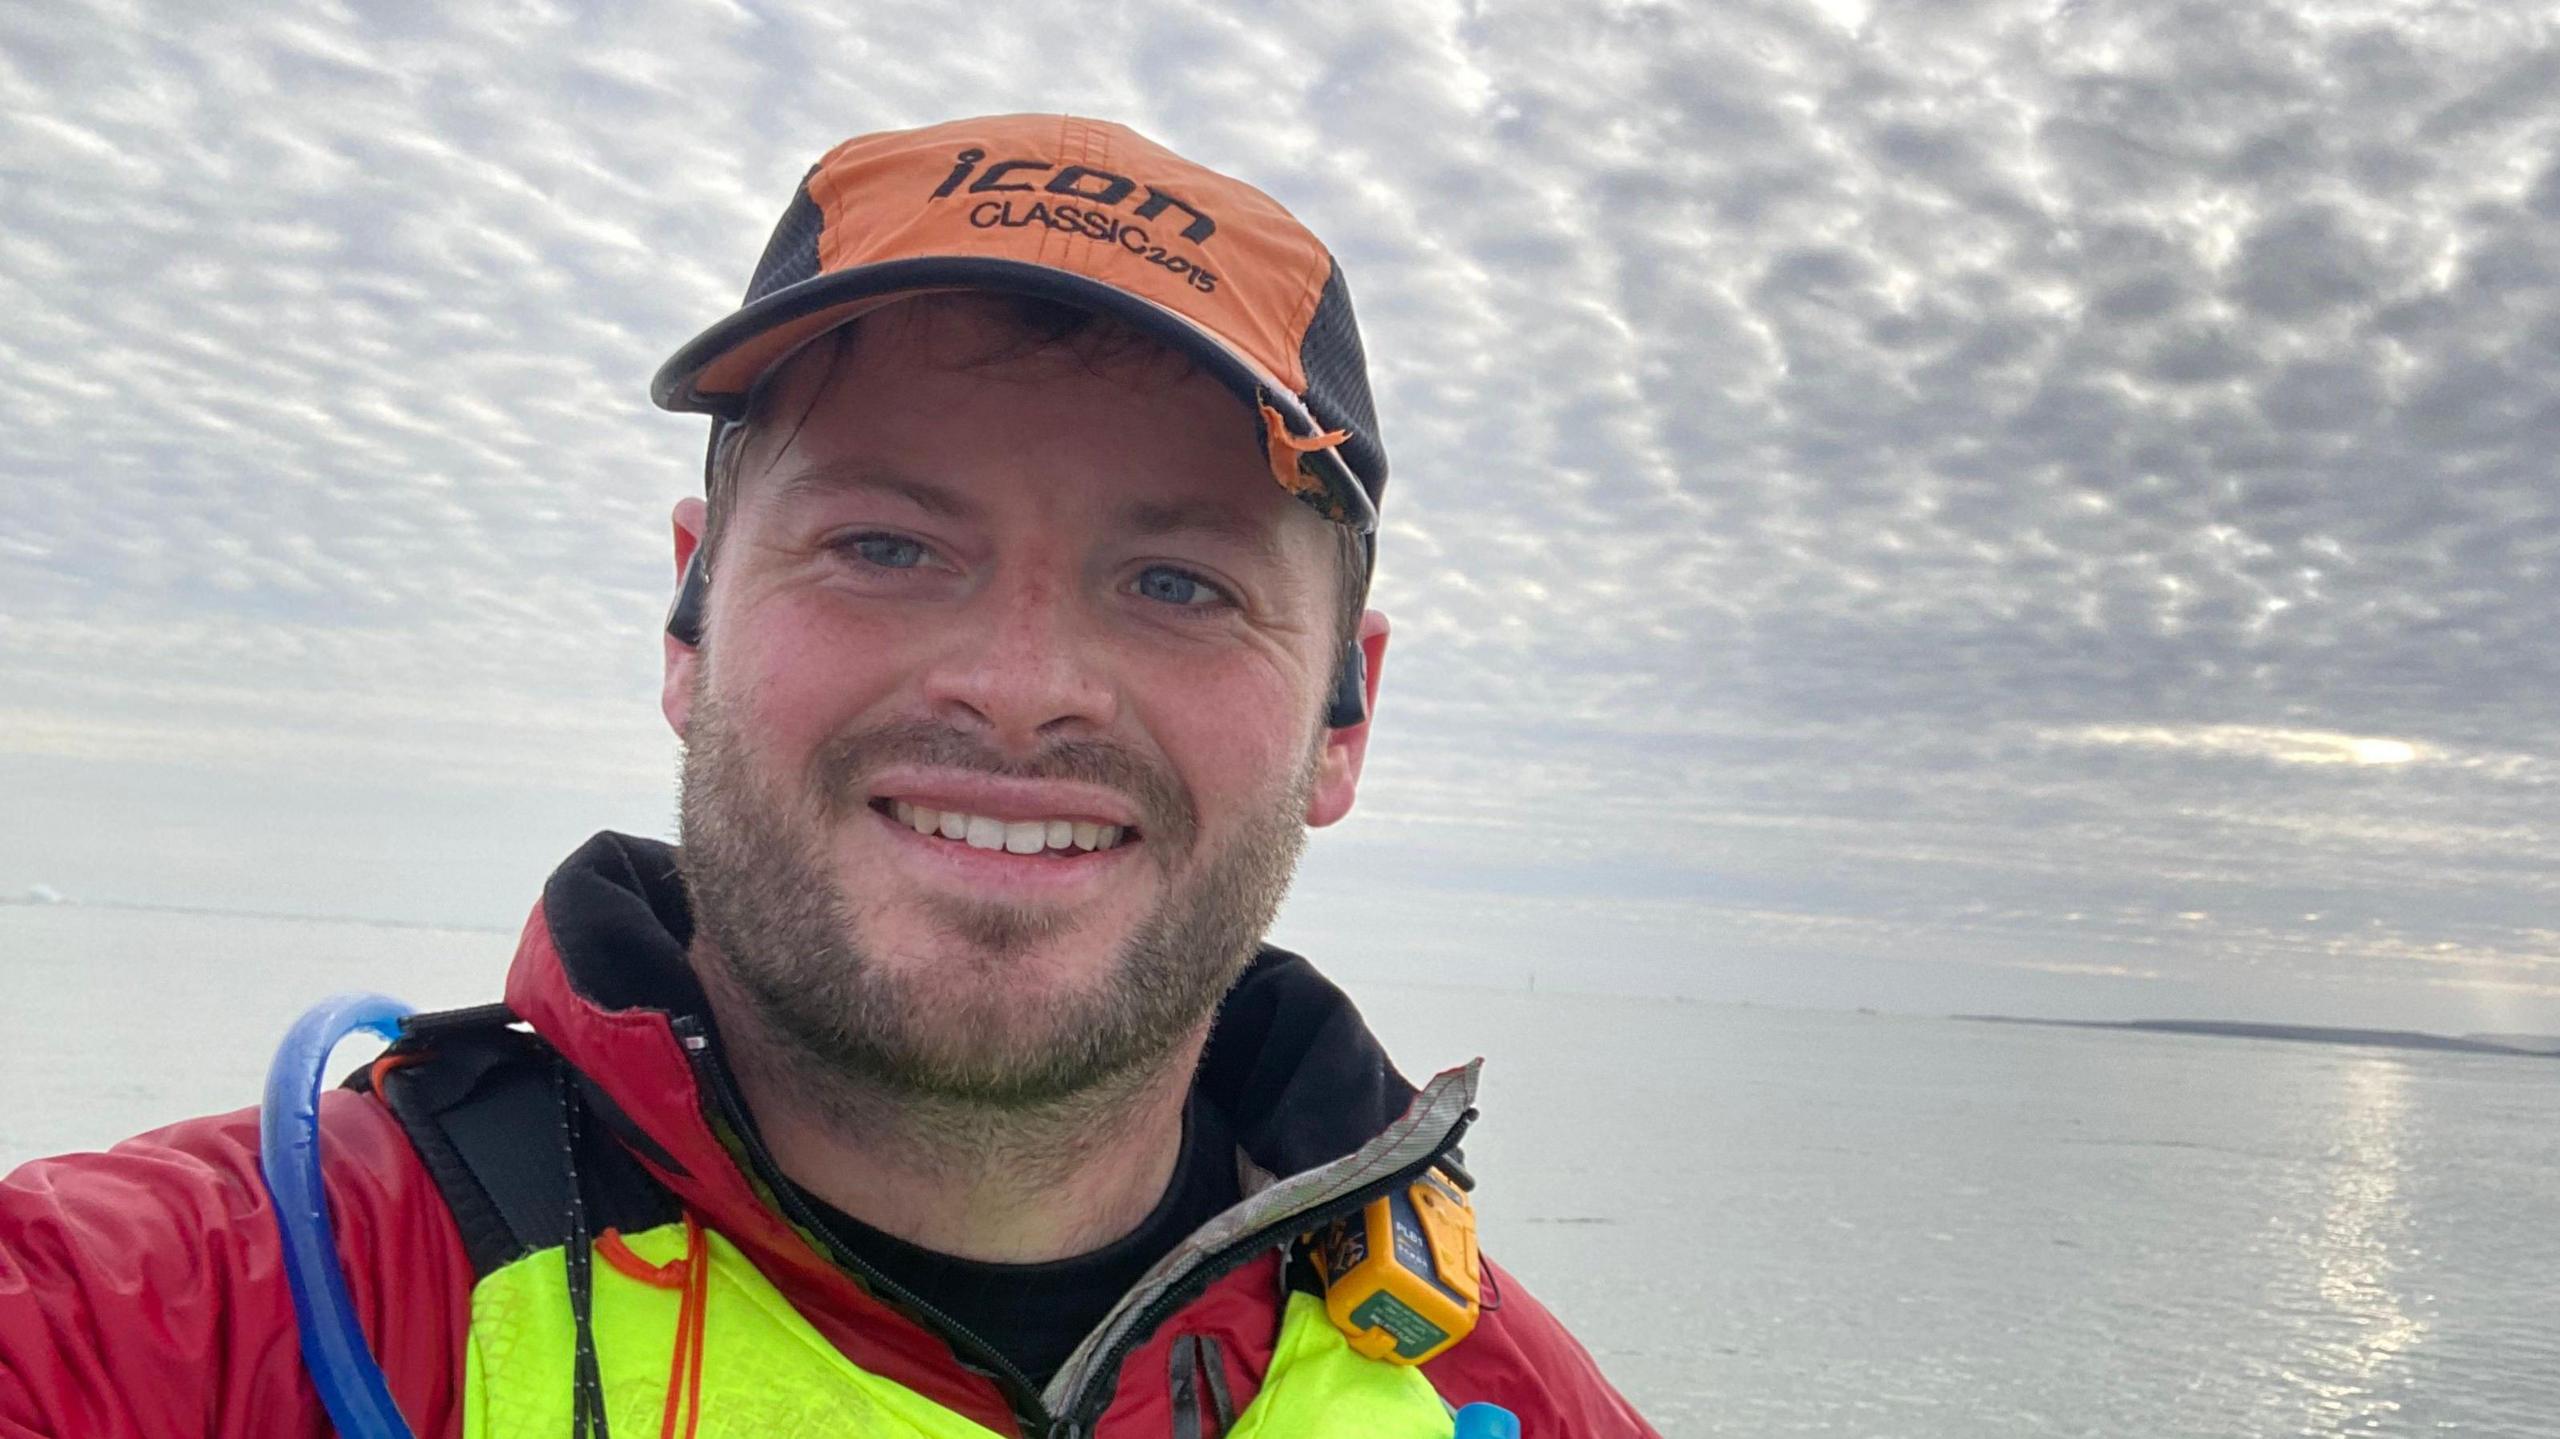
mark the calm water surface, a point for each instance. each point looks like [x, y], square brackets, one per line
[1762, 1222]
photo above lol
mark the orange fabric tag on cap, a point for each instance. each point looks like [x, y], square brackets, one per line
[1286, 450]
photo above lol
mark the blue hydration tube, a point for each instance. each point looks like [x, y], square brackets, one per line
[1487, 1421]
[333, 1344]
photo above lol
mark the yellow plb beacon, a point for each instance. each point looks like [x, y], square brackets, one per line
[1401, 1276]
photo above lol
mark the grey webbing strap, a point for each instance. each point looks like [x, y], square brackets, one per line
[1197, 1363]
[1185, 1365]
[1213, 1367]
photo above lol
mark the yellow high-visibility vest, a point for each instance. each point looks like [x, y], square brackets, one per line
[692, 1339]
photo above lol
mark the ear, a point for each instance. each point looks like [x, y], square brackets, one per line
[675, 693]
[1338, 767]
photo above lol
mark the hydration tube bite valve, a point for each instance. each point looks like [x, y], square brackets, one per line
[342, 1365]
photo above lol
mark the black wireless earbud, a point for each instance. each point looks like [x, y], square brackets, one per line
[684, 617]
[1349, 703]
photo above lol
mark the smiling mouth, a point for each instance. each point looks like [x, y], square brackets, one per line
[1061, 837]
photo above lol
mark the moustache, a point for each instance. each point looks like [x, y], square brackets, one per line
[843, 766]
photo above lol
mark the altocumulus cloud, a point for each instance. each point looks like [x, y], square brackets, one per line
[1962, 504]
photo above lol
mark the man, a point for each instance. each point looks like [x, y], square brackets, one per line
[938, 1084]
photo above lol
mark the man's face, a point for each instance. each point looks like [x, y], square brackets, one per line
[1039, 604]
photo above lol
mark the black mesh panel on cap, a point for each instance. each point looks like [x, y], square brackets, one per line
[792, 254]
[1338, 383]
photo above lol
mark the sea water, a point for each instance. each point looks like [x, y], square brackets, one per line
[1761, 1222]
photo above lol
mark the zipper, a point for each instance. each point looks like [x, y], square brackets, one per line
[1082, 1412]
[713, 1075]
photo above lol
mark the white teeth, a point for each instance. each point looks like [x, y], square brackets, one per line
[1029, 836]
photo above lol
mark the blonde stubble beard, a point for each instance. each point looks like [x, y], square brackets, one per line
[913, 1068]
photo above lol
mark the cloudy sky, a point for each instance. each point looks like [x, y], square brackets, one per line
[2045, 507]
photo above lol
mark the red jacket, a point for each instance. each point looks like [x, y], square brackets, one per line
[141, 1292]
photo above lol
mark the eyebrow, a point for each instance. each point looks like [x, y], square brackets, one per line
[1152, 518]
[819, 480]
[1148, 519]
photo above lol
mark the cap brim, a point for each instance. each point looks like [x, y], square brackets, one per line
[715, 371]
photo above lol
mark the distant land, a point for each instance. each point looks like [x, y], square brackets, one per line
[2531, 1046]
[2529, 1043]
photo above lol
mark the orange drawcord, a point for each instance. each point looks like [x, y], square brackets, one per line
[698, 1303]
[689, 1325]
[684, 1369]
[690, 1272]
[612, 1250]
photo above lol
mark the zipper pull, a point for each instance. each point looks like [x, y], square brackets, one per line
[689, 1033]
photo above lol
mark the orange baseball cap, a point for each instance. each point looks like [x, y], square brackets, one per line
[1081, 211]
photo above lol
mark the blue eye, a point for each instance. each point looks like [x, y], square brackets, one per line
[888, 552]
[1167, 585]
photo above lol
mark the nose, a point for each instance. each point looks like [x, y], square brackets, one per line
[1024, 667]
